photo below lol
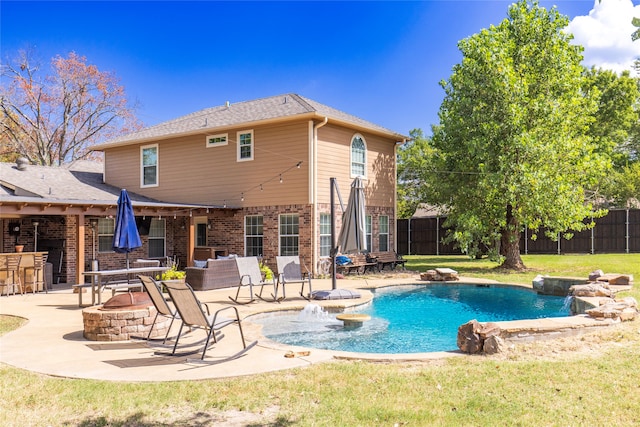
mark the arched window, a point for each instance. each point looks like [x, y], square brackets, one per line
[358, 157]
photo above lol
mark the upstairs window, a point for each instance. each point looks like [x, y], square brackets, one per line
[149, 166]
[245, 146]
[217, 140]
[358, 157]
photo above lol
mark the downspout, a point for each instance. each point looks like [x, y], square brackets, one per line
[313, 170]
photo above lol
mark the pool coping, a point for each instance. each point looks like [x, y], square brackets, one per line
[512, 331]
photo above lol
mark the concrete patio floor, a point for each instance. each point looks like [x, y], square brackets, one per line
[52, 341]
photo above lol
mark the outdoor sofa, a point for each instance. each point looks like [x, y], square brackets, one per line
[216, 274]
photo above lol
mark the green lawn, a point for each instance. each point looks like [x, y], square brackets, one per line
[591, 380]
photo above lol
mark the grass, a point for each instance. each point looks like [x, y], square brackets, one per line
[591, 380]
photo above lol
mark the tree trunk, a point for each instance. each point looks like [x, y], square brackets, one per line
[510, 243]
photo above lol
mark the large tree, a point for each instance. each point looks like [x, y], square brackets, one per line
[53, 118]
[512, 146]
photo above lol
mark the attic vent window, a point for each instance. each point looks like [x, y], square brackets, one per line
[217, 140]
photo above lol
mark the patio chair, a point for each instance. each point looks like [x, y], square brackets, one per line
[290, 271]
[161, 304]
[12, 274]
[250, 275]
[192, 313]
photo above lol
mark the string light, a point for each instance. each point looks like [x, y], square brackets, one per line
[174, 215]
[279, 176]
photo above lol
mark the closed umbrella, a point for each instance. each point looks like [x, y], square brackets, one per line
[125, 237]
[352, 237]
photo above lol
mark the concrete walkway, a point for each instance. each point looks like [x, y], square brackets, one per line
[52, 341]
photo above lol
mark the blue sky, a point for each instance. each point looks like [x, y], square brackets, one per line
[381, 61]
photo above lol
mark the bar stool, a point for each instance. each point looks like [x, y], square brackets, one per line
[39, 261]
[12, 269]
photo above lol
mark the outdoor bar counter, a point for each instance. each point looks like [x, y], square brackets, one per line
[26, 271]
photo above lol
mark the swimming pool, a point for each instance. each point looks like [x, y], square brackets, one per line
[411, 319]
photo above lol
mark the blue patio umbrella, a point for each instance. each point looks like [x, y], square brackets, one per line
[125, 237]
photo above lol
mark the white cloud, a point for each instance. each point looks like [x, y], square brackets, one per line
[606, 35]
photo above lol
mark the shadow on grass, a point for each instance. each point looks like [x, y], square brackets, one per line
[199, 419]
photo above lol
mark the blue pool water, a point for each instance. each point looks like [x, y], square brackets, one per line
[411, 319]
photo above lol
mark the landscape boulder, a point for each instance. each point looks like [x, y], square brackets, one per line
[473, 335]
[624, 309]
[590, 290]
[440, 275]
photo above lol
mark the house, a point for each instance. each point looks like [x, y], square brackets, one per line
[268, 162]
[249, 178]
[68, 211]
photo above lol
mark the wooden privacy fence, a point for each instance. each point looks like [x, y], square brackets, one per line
[618, 232]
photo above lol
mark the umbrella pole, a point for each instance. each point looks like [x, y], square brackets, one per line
[333, 235]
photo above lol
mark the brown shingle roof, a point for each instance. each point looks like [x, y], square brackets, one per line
[79, 182]
[271, 108]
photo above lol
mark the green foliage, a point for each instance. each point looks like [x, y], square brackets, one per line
[513, 147]
[617, 114]
[623, 186]
[412, 162]
[266, 271]
[636, 34]
[173, 273]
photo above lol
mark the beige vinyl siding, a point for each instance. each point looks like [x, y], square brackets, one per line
[189, 172]
[334, 149]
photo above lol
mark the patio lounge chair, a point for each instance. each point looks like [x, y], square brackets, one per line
[193, 314]
[290, 271]
[161, 304]
[250, 275]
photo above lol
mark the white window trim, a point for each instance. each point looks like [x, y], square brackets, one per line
[381, 234]
[321, 235]
[163, 238]
[280, 235]
[209, 144]
[246, 235]
[144, 147]
[253, 145]
[364, 141]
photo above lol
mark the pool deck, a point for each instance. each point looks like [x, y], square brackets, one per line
[52, 341]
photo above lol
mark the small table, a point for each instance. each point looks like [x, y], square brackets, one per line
[97, 277]
[353, 320]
